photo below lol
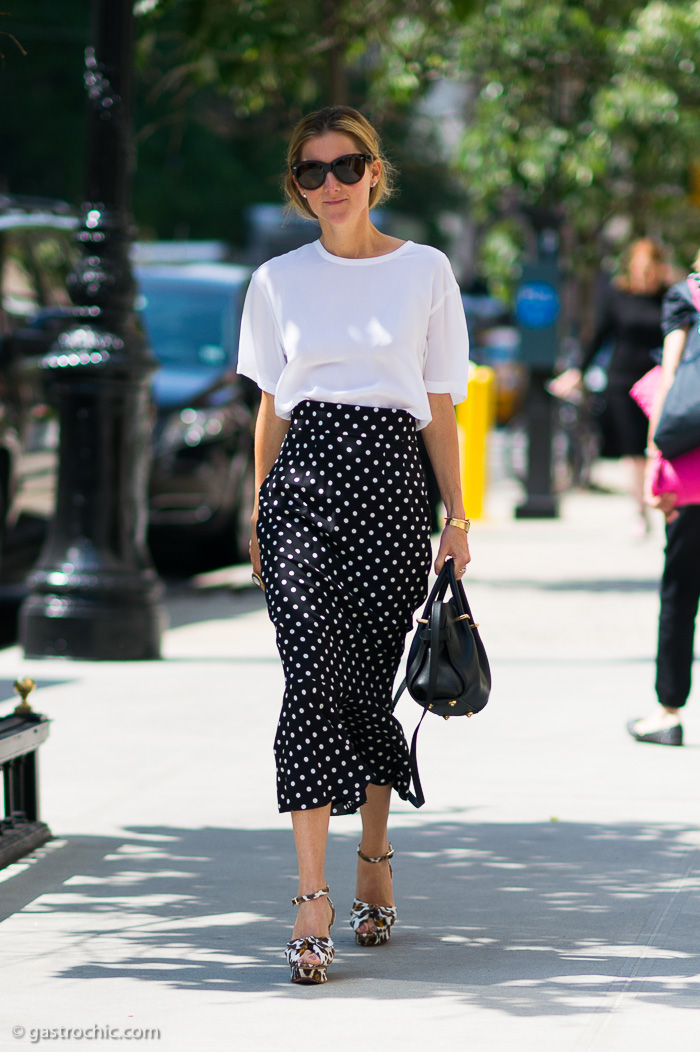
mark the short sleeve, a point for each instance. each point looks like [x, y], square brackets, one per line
[678, 312]
[446, 363]
[260, 350]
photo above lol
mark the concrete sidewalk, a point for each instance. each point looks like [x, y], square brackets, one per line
[547, 892]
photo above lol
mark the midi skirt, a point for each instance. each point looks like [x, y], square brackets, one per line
[344, 536]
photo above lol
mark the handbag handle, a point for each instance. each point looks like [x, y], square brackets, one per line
[447, 576]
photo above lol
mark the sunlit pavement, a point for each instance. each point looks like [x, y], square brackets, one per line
[547, 892]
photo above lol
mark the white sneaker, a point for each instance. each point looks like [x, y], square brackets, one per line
[663, 728]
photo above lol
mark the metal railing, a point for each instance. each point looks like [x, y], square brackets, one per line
[21, 734]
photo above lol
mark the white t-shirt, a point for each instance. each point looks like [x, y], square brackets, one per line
[382, 331]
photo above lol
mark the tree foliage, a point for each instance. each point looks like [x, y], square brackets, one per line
[223, 81]
[584, 110]
[581, 109]
[267, 54]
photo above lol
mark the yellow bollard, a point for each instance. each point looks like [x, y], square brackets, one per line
[475, 418]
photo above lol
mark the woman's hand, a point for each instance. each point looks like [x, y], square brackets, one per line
[665, 502]
[454, 543]
[564, 385]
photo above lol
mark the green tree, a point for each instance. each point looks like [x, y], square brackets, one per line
[218, 85]
[584, 109]
[222, 83]
[262, 53]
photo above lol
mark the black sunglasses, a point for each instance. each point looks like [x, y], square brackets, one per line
[347, 169]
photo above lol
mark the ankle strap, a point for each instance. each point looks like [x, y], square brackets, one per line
[309, 898]
[381, 858]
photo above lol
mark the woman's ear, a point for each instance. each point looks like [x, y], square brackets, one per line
[375, 171]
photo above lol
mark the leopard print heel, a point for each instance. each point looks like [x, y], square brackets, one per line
[381, 916]
[321, 948]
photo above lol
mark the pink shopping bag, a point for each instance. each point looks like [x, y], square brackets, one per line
[680, 475]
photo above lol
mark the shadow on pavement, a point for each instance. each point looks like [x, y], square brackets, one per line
[523, 919]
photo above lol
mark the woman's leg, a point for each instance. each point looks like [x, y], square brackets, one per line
[636, 470]
[680, 592]
[310, 837]
[635, 467]
[374, 883]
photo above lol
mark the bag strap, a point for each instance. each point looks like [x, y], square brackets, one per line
[431, 614]
[433, 648]
[694, 290]
[417, 798]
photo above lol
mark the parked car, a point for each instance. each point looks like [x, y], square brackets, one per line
[202, 481]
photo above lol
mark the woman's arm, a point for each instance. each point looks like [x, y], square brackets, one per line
[674, 344]
[270, 430]
[564, 385]
[441, 442]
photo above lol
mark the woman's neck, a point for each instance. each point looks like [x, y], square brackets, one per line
[362, 241]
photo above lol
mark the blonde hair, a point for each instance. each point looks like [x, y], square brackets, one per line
[349, 122]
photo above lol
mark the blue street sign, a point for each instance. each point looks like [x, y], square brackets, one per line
[537, 305]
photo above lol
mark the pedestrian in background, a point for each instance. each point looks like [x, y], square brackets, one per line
[357, 341]
[629, 319]
[680, 581]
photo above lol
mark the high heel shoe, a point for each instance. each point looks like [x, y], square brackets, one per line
[381, 916]
[321, 948]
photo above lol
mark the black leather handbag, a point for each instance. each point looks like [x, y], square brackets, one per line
[678, 429]
[447, 671]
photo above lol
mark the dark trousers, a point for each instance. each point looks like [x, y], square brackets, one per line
[680, 593]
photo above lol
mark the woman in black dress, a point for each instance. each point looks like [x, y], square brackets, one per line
[630, 320]
[358, 341]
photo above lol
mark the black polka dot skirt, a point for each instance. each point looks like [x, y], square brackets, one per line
[344, 534]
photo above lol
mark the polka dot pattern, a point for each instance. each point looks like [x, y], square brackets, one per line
[344, 540]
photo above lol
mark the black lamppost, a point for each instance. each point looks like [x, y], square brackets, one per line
[538, 310]
[95, 594]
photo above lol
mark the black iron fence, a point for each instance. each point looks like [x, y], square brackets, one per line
[21, 734]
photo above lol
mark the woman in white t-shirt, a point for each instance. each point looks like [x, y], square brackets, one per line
[357, 341]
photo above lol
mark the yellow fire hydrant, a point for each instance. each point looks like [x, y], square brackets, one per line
[475, 418]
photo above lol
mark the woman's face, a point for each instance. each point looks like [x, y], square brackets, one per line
[335, 202]
[646, 274]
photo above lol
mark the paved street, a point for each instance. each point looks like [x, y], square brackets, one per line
[548, 891]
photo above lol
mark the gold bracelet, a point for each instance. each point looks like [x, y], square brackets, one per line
[461, 524]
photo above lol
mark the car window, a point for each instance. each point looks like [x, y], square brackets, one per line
[34, 265]
[19, 289]
[189, 325]
[51, 255]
